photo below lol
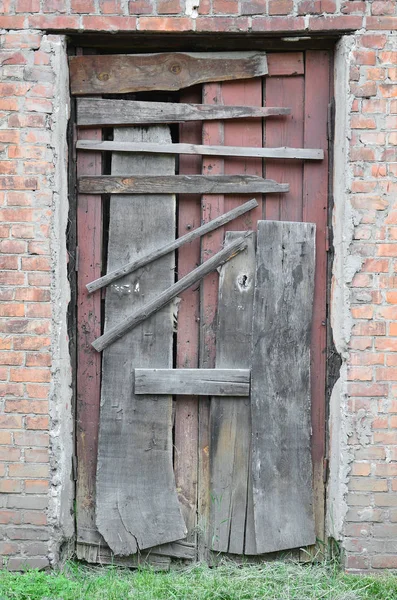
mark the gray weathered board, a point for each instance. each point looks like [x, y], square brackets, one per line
[109, 113]
[137, 505]
[184, 239]
[179, 184]
[283, 152]
[151, 307]
[124, 73]
[280, 386]
[230, 418]
[193, 382]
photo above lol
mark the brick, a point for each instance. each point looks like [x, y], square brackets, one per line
[380, 7]
[361, 469]
[367, 358]
[359, 374]
[37, 455]
[28, 470]
[30, 438]
[28, 502]
[11, 358]
[35, 548]
[109, 7]
[384, 561]
[9, 262]
[39, 310]
[33, 517]
[316, 7]
[373, 40]
[367, 390]
[12, 310]
[82, 6]
[27, 533]
[370, 453]
[173, 7]
[368, 202]
[365, 515]
[10, 454]
[285, 24]
[37, 391]
[140, 7]
[32, 295]
[385, 530]
[53, 22]
[106, 23]
[386, 470]
[54, 6]
[10, 516]
[37, 423]
[374, 328]
[10, 486]
[385, 23]
[30, 375]
[280, 7]
[367, 484]
[36, 486]
[10, 422]
[25, 563]
[36, 263]
[7, 548]
[27, 6]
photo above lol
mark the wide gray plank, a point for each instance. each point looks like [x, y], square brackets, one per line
[179, 184]
[185, 239]
[112, 113]
[230, 418]
[137, 505]
[280, 386]
[123, 73]
[193, 382]
[283, 152]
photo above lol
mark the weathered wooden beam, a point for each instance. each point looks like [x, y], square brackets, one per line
[179, 184]
[92, 112]
[189, 237]
[125, 73]
[280, 386]
[193, 382]
[289, 153]
[165, 297]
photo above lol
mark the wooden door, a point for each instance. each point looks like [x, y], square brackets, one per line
[300, 81]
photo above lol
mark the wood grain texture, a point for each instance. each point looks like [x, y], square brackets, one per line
[315, 208]
[137, 506]
[280, 386]
[239, 151]
[174, 245]
[186, 407]
[125, 73]
[109, 113]
[165, 297]
[179, 184]
[89, 231]
[286, 63]
[193, 382]
[230, 417]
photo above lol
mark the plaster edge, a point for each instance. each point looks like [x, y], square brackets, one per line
[344, 267]
[60, 510]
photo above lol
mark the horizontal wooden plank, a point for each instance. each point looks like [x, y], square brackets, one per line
[286, 63]
[189, 237]
[124, 73]
[92, 112]
[193, 382]
[283, 152]
[169, 294]
[179, 184]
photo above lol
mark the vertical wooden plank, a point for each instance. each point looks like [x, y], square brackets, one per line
[137, 505]
[315, 208]
[186, 408]
[212, 207]
[89, 240]
[230, 418]
[285, 131]
[280, 386]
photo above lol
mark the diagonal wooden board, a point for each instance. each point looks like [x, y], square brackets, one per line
[137, 505]
[124, 73]
[280, 386]
[230, 418]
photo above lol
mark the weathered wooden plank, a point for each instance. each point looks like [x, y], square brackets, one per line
[280, 386]
[187, 238]
[137, 506]
[104, 556]
[186, 407]
[179, 184]
[165, 297]
[89, 231]
[125, 73]
[230, 417]
[110, 113]
[195, 382]
[240, 151]
[286, 63]
[315, 208]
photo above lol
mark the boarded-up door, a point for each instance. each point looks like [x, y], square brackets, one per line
[222, 522]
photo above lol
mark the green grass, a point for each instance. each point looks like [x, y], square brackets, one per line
[269, 581]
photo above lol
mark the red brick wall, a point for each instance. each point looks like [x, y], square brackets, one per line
[28, 170]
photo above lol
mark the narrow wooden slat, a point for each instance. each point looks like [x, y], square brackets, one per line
[151, 307]
[280, 386]
[285, 153]
[230, 417]
[89, 231]
[315, 208]
[194, 382]
[186, 407]
[179, 184]
[110, 113]
[137, 505]
[125, 73]
[156, 254]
